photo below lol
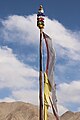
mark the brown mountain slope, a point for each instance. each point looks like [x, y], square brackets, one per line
[26, 111]
[19, 111]
[71, 116]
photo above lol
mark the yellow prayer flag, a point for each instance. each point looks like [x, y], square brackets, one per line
[47, 89]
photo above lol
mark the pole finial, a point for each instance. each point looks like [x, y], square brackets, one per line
[41, 7]
[40, 18]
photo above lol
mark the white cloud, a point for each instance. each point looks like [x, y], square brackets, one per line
[29, 96]
[13, 73]
[69, 93]
[7, 99]
[24, 30]
[62, 109]
[21, 79]
[62, 36]
[21, 29]
[78, 109]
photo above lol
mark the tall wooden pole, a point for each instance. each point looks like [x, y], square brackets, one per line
[40, 24]
[40, 79]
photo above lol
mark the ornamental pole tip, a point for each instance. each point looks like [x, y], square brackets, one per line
[40, 18]
[41, 7]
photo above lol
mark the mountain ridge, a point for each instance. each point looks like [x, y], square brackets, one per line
[27, 111]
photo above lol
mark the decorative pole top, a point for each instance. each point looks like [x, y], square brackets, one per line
[40, 18]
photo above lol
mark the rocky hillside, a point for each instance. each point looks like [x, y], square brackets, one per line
[70, 116]
[19, 111]
[26, 111]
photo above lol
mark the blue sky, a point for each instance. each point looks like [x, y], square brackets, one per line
[67, 12]
[19, 50]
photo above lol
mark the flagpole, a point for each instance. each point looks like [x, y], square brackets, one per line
[40, 78]
[40, 24]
